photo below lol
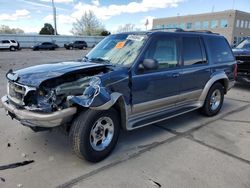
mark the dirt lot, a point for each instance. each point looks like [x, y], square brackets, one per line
[186, 151]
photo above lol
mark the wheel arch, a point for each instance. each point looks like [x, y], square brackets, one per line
[219, 77]
[116, 101]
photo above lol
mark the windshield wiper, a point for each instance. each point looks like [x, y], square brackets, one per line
[101, 60]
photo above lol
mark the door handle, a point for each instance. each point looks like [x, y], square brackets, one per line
[175, 75]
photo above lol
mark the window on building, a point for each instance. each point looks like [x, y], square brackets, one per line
[205, 24]
[162, 26]
[189, 25]
[246, 24]
[223, 23]
[192, 54]
[169, 25]
[220, 50]
[214, 24]
[242, 23]
[238, 23]
[197, 25]
[182, 25]
[175, 25]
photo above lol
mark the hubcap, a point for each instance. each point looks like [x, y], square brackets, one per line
[101, 133]
[215, 99]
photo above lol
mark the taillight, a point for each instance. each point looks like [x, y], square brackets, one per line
[235, 71]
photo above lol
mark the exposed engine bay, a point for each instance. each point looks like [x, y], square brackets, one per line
[55, 94]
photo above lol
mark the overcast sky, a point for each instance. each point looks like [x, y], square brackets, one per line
[30, 15]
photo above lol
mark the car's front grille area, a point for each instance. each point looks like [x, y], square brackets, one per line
[16, 93]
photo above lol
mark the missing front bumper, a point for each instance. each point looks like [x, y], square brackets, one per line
[37, 119]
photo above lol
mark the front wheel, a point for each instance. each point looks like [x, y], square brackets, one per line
[12, 48]
[94, 134]
[214, 100]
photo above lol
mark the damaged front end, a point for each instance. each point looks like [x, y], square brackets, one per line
[54, 102]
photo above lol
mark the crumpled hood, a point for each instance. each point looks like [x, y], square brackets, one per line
[35, 75]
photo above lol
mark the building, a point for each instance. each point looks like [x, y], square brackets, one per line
[233, 24]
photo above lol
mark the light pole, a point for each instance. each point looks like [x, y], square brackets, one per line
[54, 14]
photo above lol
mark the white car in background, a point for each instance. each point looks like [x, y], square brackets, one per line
[12, 45]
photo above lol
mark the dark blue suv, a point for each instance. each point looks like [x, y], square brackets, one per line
[127, 81]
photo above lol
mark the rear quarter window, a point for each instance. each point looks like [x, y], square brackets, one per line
[219, 50]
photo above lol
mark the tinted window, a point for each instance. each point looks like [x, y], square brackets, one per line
[5, 41]
[219, 50]
[13, 41]
[164, 50]
[192, 53]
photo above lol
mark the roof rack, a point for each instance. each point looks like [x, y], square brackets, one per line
[201, 31]
[176, 29]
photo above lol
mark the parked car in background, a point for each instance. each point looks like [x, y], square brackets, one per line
[11, 45]
[76, 44]
[45, 46]
[242, 55]
[127, 81]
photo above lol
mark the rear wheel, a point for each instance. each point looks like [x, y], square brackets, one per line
[214, 100]
[94, 134]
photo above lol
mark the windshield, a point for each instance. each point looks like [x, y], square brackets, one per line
[120, 49]
[245, 44]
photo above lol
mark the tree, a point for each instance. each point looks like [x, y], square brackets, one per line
[88, 24]
[4, 29]
[47, 29]
[105, 33]
[126, 28]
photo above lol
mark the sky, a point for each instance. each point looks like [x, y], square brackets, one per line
[30, 15]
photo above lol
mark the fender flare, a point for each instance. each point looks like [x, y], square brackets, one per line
[213, 79]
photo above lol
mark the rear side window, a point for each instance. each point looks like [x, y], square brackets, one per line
[13, 41]
[5, 41]
[219, 50]
[192, 52]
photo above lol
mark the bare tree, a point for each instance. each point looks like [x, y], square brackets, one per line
[88, 24]
[126, 28]
[4, 29]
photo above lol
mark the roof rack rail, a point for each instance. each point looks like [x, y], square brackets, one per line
[176, 29]
[200, 31]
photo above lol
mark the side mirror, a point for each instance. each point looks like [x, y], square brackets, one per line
[149, 64]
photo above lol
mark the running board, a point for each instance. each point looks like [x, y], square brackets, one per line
[157, 117]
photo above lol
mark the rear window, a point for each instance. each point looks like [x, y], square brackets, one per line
[219, 50]
[13, 41]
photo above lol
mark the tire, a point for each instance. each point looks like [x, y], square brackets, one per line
[88, 128]
[71, 47]
[12, 48]
[214, 100]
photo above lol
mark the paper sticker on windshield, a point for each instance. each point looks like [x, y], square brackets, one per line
[135, 37]
[120, 45]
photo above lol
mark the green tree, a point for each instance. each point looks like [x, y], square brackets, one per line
[105, 33]
[88, 25]
[47, 29]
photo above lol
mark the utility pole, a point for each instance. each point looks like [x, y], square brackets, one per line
[233, 4]
[54, 14]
